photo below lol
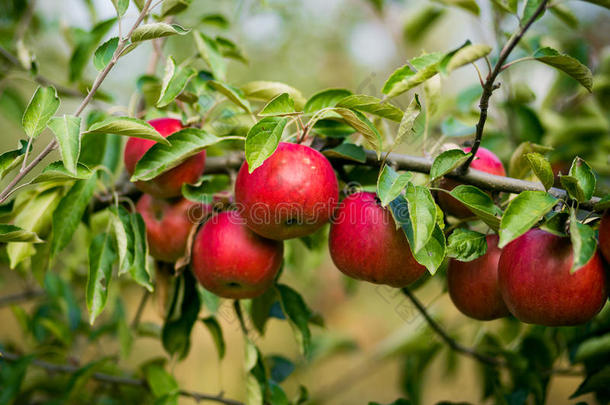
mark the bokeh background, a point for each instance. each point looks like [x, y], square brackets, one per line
[370, 347]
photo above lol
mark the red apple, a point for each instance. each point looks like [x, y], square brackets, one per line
[168, 184]
[473, 286]
[485, 161]
[536, 284]
[604, 236]
[232, 261]
[292, 194]
[168, 225]
[365, 244]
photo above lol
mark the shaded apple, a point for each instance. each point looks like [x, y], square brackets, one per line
[473, 286]
[365, 244]
[485, 161]
[536, 284]
[232, 261]
[168, 225]
[292, 194]
[168, 184]
[604, 236]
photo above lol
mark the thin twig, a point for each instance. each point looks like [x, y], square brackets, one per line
[96, 84]
[20, 297]
[113, 379]
[452, 343]
[138, 315]
[490, 85]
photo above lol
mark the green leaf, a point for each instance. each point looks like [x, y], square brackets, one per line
[603, 204]
[565, 14]
[566, 64]
[217, 20]
[422, 211]
[35, 217]
[124, 236]
[12, 158]
[232, 93]
[453, 127]
[420, 23]
[584, 243]
[572, 186]
[161, 158]
[408, 120]
[360, 123]
[102, 255]
[156, 30]
[210, 53]
[180, 319]
[211, 323]
[480, 203]
[447, 161]
[12, 376]
[371, 105]
[405, 78]
[466, 245]
[466, 55]
[126, 126]
[298, 314]
[390, 184]
[56, 172]
[12, 233]
[265, 91]
[603, 3]
[85, 46]
[262, 140]
[121, 6]
[519, 166]
[139, 270]
[542, 169]
[469, 5]
[280, 368]
[203, 191]
[592, 348]
[583, 173]
[67, 132]
[104, 53]
[529, 9]
[160, 382]
[595, 382]
[347, 151]
[172, 7]
[175, 80]
[522, 213]
[280, 105]
[432, 94]
[229, 49]
[69, 212]
[42, 106]
[325, 99]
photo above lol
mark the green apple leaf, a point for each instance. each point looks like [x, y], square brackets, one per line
[572, 186]
[262, 140]
[85, 46]
[229, 49]
[566, 64]
[390, 184]
[12, 233]
[43, 105]
[360, 123]
[278, 106]
[69, 213]
[126, 126]
[210, 53]
[56, 171]
[530, 8]
[469, 5]
[124, 236]
[464, 56]
[371, 105]
[67, 132]
[347, 151]
[12, 158]
[447, 161]
[405, 78]
[104, 53]
[422, 211]
[466, 245]
[216, 20]
[584, 243]
[603, 203]
[583, 173]
[121, 6]
[325, 99]
[175, 80]
[181, 317]
[140, 270]
[265, 91]
[172, 7]
[480, 203]
[542, 169]
[213, 326]
[162, 384]
[161, 158]
[298, 314]
[156, 30]
[522, 213]
[519, 166]
[602, 3]
[203, 191]
[232, 93]
[405, 129]
[102, 255]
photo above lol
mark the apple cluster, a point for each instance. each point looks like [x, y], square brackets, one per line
[238, 253]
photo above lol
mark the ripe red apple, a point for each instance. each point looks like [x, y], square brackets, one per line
[232, 261]
[365, 244]
[473, 286]
[536, 284]
[292, 194]
[485, 161]
[604, 236]
[168, 225]
[168, 184]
